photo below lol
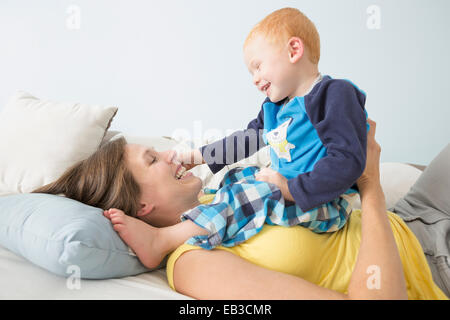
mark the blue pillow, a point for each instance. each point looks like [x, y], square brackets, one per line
[55, 232]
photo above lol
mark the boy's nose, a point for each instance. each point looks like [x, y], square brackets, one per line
[256, 80]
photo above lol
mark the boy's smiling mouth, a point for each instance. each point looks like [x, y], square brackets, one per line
[265, 87]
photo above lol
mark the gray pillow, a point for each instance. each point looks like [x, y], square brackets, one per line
[429, 198]
[426, 211]
[55, 233]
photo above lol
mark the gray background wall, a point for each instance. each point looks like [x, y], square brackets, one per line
[177, 65]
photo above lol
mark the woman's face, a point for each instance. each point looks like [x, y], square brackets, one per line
[164, 196]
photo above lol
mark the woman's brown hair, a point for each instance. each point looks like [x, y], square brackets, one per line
[103, 180]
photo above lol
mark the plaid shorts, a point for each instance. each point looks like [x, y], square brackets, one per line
[242, 205]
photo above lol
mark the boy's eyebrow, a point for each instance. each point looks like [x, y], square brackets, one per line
[251, 65]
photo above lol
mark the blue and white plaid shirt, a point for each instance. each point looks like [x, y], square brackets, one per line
[242, 205]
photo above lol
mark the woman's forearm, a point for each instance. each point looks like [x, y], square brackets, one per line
[378, 272]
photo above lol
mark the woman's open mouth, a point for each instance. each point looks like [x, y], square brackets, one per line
[181, 173]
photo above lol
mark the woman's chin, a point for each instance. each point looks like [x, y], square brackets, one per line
[199, 183]
[191, 179]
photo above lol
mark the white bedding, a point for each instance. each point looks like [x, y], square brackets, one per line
[20, 279]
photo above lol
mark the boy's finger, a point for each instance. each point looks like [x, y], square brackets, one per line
[177, 157]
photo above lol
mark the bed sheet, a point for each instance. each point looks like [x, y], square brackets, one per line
[20, 279]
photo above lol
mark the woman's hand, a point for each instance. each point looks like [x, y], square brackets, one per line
[371, 174]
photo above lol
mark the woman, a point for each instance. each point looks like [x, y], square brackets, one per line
[145, 183]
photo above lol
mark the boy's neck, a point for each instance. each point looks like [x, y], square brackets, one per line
[306, 80]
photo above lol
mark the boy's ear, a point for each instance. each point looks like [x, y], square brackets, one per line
[145, 209]
[296, 49]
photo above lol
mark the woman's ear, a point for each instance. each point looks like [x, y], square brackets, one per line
[145, 209]
[295, 49]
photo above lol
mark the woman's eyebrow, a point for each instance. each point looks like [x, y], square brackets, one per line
[147, 152]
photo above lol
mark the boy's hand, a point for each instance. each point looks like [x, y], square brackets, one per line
[271, 176]
[190, 159]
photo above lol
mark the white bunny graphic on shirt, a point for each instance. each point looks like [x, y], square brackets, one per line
[278, 142]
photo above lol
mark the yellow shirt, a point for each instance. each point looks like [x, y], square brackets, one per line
[326, 259]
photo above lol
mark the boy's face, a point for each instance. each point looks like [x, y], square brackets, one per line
[273, 72]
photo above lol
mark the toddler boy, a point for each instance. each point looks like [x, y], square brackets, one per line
[316, 126]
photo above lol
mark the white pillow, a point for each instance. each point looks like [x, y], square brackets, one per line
[396, 179]
[40, 139]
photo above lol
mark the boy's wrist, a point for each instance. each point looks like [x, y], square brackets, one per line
[285, 191]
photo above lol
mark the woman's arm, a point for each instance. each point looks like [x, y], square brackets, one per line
[378, 253]
[218, 274]
[221, 275]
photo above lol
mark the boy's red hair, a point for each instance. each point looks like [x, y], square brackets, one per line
[279, 26]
